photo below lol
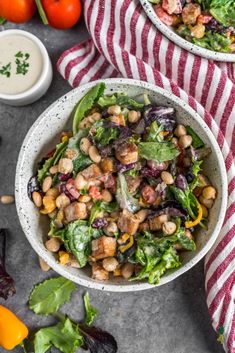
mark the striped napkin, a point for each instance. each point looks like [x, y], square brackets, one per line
[125, 44]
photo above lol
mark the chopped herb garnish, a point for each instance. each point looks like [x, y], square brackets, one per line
[6, 70]
[22, 66]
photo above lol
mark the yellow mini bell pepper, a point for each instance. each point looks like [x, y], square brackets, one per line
[12, 330]
[190, 224]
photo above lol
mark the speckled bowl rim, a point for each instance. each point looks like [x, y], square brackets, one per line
[138, 285]
[172, 35]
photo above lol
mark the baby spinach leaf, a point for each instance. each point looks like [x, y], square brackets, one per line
[158, 151]
[186, 199]
[60, 149]
[197, 141]
[81, 162]
[86, 103]
[64, 336]
[124, 197]
[91, 312]
[77, 236]
[47, 297]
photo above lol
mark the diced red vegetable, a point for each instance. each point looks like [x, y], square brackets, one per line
[163, 15]
[94, 192]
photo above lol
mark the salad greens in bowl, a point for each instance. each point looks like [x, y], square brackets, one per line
[120, 186]
[204, 27]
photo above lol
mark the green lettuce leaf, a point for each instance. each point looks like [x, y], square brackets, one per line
[197, 141]
[154, 132]
[121, 99]
[186, 199]
[103, 134]
[214, 41]
[91, 312]
[158, 151]
[86, 103]
[47, 297]
[169, 260]
[64, 336]
[124, 198]
[60, 149]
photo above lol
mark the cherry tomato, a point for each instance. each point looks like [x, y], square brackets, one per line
[17, 11]
[62, 14]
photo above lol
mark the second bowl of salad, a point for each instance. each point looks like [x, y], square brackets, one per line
[203, 27]
[119, 186]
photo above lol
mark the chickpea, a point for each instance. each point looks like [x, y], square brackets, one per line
[198, 31]
[174, 140]
[207, 203]
[59, 219]
[53, 193]
[169, 228]
[209, 192]
[37, 199]
[128, 270]
[94, 154]
[188, 234]
[205, 212]
[53, 244]
[111, 229]
[54, 169]
[180, 130]
[84, 198]
[185, 141]
[114, 110]
[44, 266]
[107, 196]
[85, 144]
[7, 199]
[94, 117]
[62, 201]
[134, 116]
[110, 264]
[47, 182]
[65, 165]
[80, 182]
[167, 178]
[141, 215]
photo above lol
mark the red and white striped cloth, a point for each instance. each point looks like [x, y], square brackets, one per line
[125, 43]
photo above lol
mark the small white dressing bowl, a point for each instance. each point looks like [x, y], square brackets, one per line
[39, 88]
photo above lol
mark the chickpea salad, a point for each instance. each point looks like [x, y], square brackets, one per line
[125, 190]
[207, 23]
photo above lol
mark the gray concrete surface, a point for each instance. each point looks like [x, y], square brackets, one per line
[168, 319]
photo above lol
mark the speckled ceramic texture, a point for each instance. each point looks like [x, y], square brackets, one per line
[169, 32]
[42, 137]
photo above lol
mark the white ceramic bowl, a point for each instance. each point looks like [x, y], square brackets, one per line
[172, 35]
[41, 138]
[44, 81]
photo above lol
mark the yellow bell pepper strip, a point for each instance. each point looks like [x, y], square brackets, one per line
[12, 330]
[190, 224]
[128, 245]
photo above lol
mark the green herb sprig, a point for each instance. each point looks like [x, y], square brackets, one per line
[22, 66]
[6, 70]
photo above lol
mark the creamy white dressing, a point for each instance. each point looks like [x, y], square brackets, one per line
[19, 83]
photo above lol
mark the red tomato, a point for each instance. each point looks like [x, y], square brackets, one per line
[204, 18]
[163, 15]
[17, 11]
[94, 192]
[62, 14]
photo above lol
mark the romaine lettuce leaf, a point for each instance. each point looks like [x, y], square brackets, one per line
[124, 198]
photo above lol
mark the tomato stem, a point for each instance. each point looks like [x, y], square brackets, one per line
[41, 12]
[2, 20]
